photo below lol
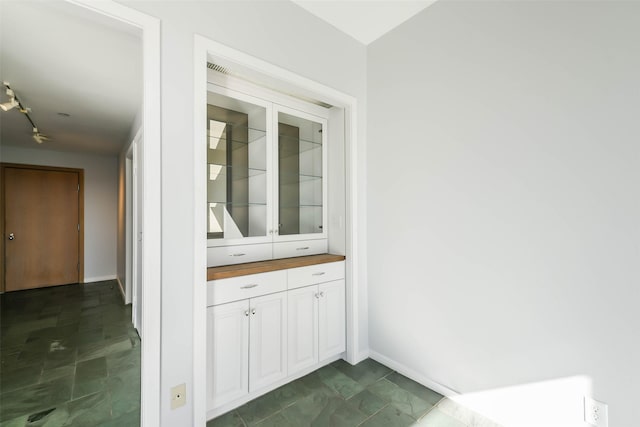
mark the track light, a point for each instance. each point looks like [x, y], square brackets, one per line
[15, 102]
[38, 137]
[6, 106]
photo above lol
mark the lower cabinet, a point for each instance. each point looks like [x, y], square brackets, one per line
[331, 325]
[246, 347]
[265, 329]
[227, 352]
[316, 324]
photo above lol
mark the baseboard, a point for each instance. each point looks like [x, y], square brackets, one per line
[364, 354]
[89, 280]
[124, 296]
[411, 374]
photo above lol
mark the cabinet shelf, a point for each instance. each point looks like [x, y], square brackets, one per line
[253, 135]
[216, 203]
[238, 172]
[290, 150]
[301, 177]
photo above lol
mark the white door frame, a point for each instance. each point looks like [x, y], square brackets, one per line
[151, 224]
[129, 197]
[204, 49]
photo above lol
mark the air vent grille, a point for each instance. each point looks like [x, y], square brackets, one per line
[218, 68]
[223, 70]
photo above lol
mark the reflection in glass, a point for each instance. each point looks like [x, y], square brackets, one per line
[236, 159]
[299, 175]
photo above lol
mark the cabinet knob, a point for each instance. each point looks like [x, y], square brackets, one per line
[322, 293]
[253, 311]
[317, 295]
[246, 312]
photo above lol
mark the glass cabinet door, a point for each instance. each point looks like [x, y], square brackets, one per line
[237, 173]
[300, 189]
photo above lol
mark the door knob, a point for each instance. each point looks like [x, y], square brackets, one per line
[11, 236]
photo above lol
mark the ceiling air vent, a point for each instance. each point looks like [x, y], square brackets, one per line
[223, 70]
[218, 68]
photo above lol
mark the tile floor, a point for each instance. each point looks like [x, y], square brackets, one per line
[368, 394]
[69, 356]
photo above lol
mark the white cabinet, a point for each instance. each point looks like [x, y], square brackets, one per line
[227, 352]
[332, 326]
[268, 340]
[316, 324]
[246, 348]
[267, 328]
[303, 328]
[266, 178]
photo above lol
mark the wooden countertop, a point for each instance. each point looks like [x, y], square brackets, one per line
[226, 271]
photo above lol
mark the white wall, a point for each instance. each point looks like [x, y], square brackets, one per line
[277, 32]
[100, 202]
[504, 173]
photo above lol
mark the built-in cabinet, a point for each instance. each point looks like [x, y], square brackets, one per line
[266, 169]
[266, 329]
[276, 306]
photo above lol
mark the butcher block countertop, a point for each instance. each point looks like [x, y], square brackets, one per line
[226, 271]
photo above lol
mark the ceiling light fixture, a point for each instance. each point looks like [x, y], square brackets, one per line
[15, 102]
[6, 106]
[38, 137]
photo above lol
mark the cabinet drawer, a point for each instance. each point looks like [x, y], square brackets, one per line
[300, 248]
[227, 255]
[243, 287]
[313, 274]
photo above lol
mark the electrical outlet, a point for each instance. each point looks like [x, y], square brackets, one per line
[178, 396]
[596, 413]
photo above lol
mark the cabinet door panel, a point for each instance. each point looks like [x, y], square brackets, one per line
[268, 344]
[300, 190]
[303, 328]
[227, 347]
[332, 319]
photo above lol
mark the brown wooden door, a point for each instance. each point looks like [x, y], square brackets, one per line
[41, 227]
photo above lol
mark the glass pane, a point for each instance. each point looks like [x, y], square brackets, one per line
[236, 160]
[299, 175]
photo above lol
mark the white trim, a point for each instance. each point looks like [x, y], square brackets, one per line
[365, 354]
[89, 280]
[152, 260]
[414, 375]
[203, 47]
[199, 392]
[124, 295]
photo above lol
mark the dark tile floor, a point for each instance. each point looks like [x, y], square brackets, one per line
[69, 357]
[368, 394]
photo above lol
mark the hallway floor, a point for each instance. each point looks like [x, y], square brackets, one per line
[69, 356]
[340, 395]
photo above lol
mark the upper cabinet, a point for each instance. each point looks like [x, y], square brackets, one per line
[300, 192]
[266, 169]
[238, 189]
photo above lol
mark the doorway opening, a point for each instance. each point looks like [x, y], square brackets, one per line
[148, 118]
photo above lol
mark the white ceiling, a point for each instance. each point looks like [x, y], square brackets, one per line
[62, 58]
[364, 20]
